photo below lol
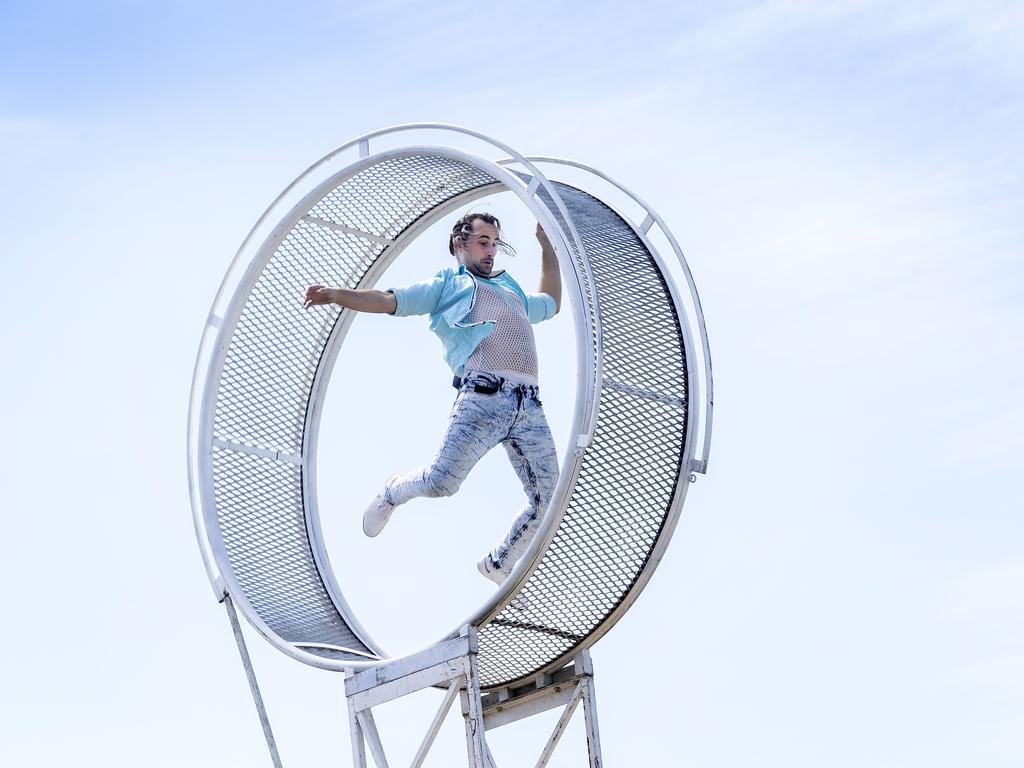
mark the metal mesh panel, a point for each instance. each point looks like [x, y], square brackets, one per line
[628, 475]
[386, 198]
[259, 506]
[267, 377]
[577, 256]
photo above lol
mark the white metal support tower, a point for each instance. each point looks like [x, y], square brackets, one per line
[452, 665]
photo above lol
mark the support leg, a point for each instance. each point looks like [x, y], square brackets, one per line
[356, 736]
[253, 686]
[590, 716]
[474, 715]
[369, 728]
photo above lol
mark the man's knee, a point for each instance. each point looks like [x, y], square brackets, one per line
[439, 483]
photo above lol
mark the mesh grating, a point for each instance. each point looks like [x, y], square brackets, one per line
[266, 381]
[259, 506]
[629, 474]
[577, 257]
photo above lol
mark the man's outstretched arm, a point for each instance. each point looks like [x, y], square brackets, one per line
[359, 299]
[550, 277]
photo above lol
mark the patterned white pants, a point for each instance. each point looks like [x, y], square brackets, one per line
[512, 416]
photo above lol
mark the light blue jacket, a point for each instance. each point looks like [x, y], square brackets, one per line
[448, 296]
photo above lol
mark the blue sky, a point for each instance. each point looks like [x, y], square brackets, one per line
[846, 587]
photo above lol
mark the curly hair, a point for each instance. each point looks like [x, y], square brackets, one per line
[464, 227]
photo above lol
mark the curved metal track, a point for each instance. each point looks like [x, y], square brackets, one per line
[263, 369]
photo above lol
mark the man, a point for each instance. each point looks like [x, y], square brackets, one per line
[483, 319]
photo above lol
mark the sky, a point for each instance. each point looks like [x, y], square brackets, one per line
[846, 584]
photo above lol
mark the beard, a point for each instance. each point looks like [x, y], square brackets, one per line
[478, 269]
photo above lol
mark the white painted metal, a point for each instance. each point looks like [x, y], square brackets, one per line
[565, 688]
[473, 715]
[393, 679]
[336, 648]
[542, 699]
[641, 392]
[547, 692]
[435, 725]
[254, 687]
[436, 675]
[251, 450]
[451, 663]
[394, 670]
[590, 718]
[563, 721]
[369, 728]
[348, 230]
[356, 737]
[198, 484]
[442, 665]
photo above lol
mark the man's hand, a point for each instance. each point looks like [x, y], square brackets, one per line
[317, 295]
[542, 238]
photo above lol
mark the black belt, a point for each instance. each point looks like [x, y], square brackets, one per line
[485, 386]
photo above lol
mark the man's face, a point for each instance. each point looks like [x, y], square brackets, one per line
[477, 254]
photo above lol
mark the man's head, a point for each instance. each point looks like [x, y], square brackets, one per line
[475, 240]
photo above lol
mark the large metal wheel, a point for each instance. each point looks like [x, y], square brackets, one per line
[641, 427]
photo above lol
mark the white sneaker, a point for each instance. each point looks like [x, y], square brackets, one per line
[519, 603]
[378, 513]
[490, 572]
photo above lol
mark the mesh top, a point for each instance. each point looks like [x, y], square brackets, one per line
[510, 350]
[627, 483]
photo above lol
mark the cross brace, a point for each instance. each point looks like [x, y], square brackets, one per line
[452, 665]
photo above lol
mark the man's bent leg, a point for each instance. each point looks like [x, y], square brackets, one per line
[477, 423]
[531, 450]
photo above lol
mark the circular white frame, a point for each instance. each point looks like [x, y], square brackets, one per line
[250, 260]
